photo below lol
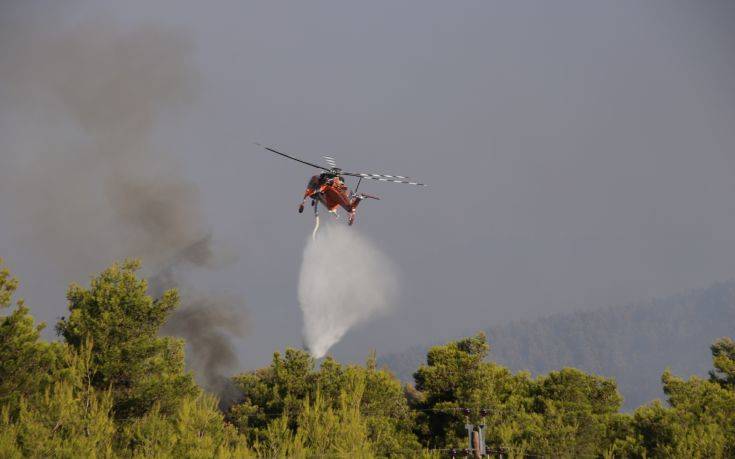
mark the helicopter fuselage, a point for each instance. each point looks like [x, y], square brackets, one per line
[330, 192]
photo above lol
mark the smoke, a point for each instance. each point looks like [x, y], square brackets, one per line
[80, 107]
[207, 323]
[345, 280]
[84, 179]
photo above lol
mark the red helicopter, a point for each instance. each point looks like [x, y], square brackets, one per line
[329, 188]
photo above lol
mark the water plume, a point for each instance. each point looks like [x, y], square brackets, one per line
[345, 280]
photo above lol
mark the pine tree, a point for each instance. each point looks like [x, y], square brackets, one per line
[26, 364]
[70, 418]
[122, 322]
[723, 359]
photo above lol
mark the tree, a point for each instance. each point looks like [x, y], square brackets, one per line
[700, 419]
[566, 413]
[305, 397]
[455, 376]
[277, 389]
[704, 409]
[70, 418]
[388, 417]
[196, 430]
[122, 322]
[577, 408]
[723, 359]
[26, 364]
[117, 389]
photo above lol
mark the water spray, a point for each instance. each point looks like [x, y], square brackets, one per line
[316, 228]
[344, 281]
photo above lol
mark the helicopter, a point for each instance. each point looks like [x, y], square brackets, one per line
[329, 188]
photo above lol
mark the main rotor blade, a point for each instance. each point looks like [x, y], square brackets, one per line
[330, 161]
[291, 157]
[360, 174]
[384, 178]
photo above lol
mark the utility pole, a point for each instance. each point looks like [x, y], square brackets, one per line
[475, 435]
[481, 433]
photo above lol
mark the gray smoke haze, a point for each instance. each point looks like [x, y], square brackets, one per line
[345, 280]
[90, 184]
[580, 154]
[207, 323]
[93, 186]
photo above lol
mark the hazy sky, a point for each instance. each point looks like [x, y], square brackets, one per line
[579, 154]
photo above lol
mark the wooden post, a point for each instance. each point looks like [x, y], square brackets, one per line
[476, 444]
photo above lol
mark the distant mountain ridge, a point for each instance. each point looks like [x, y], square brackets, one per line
[633, 343]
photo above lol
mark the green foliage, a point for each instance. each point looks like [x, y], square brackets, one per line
[69, 419]
[563, 414]
[279, 388]
[388, 416]
[196, 430]
[26, 364]
[723, 359]
[454, 376]
[661, 433]
[700, 421]
[8, 285]
[323, 430]
[705, 412]
[122, 322]
[117, 389]
[576, 408]
[73, 419]
[294, 391]
[64, 396]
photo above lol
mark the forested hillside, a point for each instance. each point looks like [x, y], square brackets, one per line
[634, 343]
